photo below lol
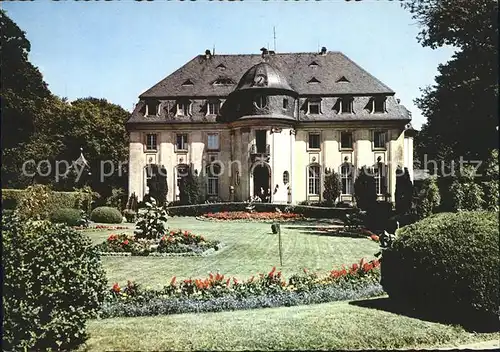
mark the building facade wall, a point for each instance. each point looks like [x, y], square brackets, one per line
[289, 152]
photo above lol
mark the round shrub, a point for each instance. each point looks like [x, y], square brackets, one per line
[68, 216]
[106, 215]
[447, 264]
[53, 283]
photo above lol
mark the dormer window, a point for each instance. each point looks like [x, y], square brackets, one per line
[187, 82]
[313, 80]
[376, 105]
[223, 81]
[344, 105]
[342, 79]
[221, 67]
[260, 101]
[285, 103]
[183, 108]
[213, 107]
[314, 107]
[313, 64]
[151, 108]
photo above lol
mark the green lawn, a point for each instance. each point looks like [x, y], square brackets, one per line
[251, 248]
[338, 325]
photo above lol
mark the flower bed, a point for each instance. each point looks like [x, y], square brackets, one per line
[356, 281]
[245, 215]
[101, 227]
[174, 243]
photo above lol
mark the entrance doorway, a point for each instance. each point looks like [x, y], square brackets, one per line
[262, 183]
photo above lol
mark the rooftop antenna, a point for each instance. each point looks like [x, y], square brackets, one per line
[213, 50]
[274, 35]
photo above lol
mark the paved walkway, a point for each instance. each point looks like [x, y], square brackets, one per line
[484, 345]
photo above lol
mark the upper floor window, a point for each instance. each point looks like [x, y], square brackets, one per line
[285, 103]
[151, 141]
[151, 108]
[213, 107]
[314, 141]
[181, 142]
[314, 107]
[346, 140]
[261, 101]
[379, 139]
[213, 141]
[183, 108]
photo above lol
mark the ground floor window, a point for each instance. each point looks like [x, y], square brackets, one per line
[379, 174]
[346, 177]
[213, 171]
[314, 180]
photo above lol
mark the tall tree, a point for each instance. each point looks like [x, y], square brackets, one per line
[95, 125]
[23, 95]
[462, 107]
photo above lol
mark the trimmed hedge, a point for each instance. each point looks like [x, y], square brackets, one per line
[53, 283]
[68, 216]
[11, 198]
[447, 264]
[106, 215]
[305, 210]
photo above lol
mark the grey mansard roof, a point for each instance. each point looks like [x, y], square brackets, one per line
[302, 76]
[306, 73]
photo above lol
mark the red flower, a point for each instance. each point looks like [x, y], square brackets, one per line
[227, 282]
[271, 273]
[116, 288]
[374, 238]
[125, 242]
[172, 282]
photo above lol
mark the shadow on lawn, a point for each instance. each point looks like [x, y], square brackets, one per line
[318, 231]
[432, 315]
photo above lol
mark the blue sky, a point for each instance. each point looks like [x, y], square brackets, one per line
[118, 49]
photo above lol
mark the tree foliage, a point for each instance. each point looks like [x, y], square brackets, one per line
[332, 187]
[189, 188]
[23, 95]
[429, 198]
[463, 103]
[491, 186]
[467, 194]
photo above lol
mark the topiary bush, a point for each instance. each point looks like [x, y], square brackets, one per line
[53, 283]
[466, 193]
[447, 264]
[106, 215]
[68, 216]
[429, 198]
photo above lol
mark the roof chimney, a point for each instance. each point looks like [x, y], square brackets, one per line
[323, 50]
[208, 54]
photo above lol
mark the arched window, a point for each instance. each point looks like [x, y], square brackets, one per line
[261, 101]
[286, 177]
[313, 180]
[213, 172]
[346, 176]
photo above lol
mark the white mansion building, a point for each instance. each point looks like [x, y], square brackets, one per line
[269, 125]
